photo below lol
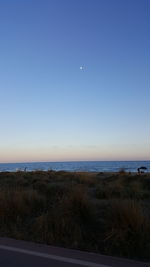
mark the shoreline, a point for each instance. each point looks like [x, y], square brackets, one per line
[99, 173]
[77, 166]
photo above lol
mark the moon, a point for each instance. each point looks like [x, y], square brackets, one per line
[81, 68]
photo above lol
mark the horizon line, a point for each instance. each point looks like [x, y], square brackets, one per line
[26, 162]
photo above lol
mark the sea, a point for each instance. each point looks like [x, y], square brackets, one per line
[89, 166]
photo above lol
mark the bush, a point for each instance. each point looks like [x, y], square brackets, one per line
[128, 231]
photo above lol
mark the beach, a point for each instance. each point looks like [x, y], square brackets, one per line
[77, 166]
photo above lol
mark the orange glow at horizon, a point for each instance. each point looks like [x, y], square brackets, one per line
[70, 153]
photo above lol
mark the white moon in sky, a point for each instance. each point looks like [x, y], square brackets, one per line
[81, 67]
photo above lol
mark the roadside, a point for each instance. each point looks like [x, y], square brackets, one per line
[18, 253]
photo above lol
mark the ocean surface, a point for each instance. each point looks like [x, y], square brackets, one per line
[91, 166]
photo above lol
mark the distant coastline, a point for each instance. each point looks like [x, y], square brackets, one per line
[90, 166]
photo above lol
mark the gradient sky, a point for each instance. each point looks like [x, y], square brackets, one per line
[50, 110]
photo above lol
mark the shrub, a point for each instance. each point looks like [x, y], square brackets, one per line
[70, 223]
[128, 232]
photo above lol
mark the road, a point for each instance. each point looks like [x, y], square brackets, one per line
[14, 253]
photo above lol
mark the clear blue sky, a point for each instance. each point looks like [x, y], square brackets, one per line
[51, 110]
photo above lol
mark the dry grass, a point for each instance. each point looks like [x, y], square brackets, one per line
[128, 232]
[69, 222]
[78, 210]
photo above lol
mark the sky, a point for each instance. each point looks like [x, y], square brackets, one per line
[51, 109]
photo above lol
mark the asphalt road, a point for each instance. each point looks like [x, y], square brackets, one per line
[14, 253]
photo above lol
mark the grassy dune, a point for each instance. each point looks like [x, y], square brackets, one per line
[106, 213]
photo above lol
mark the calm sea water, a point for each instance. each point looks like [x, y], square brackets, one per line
[91, 166]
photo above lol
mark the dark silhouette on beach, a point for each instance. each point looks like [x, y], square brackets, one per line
[141, 169]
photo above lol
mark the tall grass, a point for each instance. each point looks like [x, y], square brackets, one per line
[110, 215]
[69, 222]
[128, 231]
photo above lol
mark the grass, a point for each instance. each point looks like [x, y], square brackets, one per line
[109, 214]
[129, 229]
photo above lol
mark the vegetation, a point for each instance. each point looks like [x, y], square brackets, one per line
[107, 213]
